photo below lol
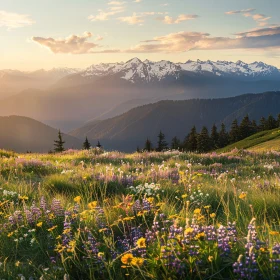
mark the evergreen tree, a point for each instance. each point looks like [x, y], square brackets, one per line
[223, 137]
[148, 145]
[98, 145]
[262, 126]
[234, 132]
[162, 144]
[203, 141]
[254, 127]
[190, 143]
[86, 144]
[214, 137]
[175, 143]
[271, 123]
[278, 120]
[138, 149]
[59, 144]
[245, 128]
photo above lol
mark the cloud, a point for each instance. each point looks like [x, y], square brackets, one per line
[134, 19]
[138, 1]
[13, 20]
[261, 19]
[115, 7]
[180, 18]
[240, 11]
[73, 44]
[186, 41]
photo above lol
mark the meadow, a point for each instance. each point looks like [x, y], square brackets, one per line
[168, 215]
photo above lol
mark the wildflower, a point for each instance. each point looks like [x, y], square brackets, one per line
[212, 215]
[200, 236]
[52, 228]
[10, 234]
[141, 243]
[137, 261]
[17, 263]
[23, 197]
[39, 224]
[242, 195]
[189, 230]
[210, 258]
[273, 232]
[197, 211]
[127, 258]
[129, 218]
[92, 205]
[184, 196]
[77, 199]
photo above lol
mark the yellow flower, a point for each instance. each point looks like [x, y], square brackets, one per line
[197, 211]
[127, 258]
[207, 206]
[200, 236]
[10, 234]
[242, 195]
[39, 224]
[52, 228]
[128, 218]
[213, 215]
[141, 243]
[273, 232]
[23, 197]
[210, 258]
[77, 199]
[92, 205]
[184, 196]
[189, 230]
[137, 261]
[100, 254]
[151, 199]
[17, 263]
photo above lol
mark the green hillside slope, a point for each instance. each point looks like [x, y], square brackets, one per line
[263, 141]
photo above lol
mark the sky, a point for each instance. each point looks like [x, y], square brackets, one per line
[36, 34]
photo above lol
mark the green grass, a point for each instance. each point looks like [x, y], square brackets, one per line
[263, 141]
[75, 216]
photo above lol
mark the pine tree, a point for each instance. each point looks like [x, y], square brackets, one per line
[190, 143]
[278, 120]
[204, 141]
[245, 128]
[214, 137]
[59, 144]
[271, 123]
[223, 137]
[86, 144]
[262, 126]
[148, 145]
[98, 145]
[234, 132]
[175, 143]
[162, 144]
[254, 127]
[138, 149]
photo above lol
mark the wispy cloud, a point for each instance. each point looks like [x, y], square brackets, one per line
[115, 7]
[241, 11]
[260, 19]
[186, 41]
[134, 19]
[73, 44]
[13, 20]
[180, 18]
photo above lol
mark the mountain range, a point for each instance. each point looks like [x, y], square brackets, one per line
[176, 118]
[69, 98]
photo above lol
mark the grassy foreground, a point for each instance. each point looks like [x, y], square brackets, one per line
[172, 215]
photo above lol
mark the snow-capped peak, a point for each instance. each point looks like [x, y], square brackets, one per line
[135, 70]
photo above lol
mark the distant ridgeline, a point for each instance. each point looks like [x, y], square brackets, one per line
[205, 142]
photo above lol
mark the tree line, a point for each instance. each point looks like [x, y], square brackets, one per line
[205, 141]
[59, 144]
